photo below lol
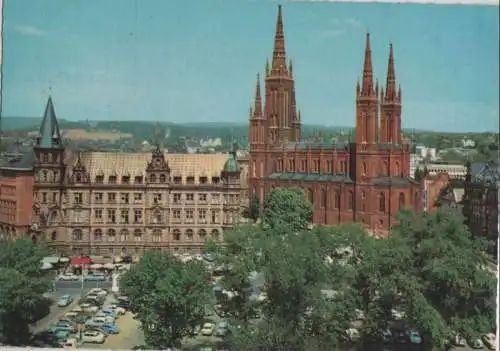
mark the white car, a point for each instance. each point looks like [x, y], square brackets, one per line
[489, 341]
[93, 337]
[207, 329]
[68, 277]
[99, 292]
[71, 343]
[72, 314]
[104, 318]
[87, 307]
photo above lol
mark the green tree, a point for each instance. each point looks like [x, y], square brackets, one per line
[22, 285]
[168, 296]
[254, 209]
[431, 270]
[287, 208]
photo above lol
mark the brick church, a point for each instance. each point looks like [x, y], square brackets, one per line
[364, 180]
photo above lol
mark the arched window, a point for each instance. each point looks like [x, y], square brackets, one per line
[336, 199]
[111, 234]
[350, 200]
[124, 235]
[152, 178]
[157, 235]
[324, 199]
[397, 170]
[214, 234]
[137, 235]
[401, 201]
[310, 196]
[77, 235]
[202, 233]
[381, 202]
[365, 169]
[189, 234]
[97, 235]
[384, 169]
[53, 236]
[157, 217]
[163, 178]
[176, 234]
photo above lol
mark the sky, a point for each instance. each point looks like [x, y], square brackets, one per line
[196, 61]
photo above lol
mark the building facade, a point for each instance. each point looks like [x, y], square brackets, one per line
[480, 204]
[16, 196]
[365, 180]
[103, 203]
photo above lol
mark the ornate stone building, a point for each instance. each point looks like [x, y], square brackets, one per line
[365, 180]
[106, 203]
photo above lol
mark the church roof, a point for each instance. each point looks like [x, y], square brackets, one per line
[487, 173]
[49, 136]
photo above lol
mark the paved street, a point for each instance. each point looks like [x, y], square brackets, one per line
[130, 335]
[74, 288]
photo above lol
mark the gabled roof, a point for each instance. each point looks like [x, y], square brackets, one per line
[49, 136]
[487, 173]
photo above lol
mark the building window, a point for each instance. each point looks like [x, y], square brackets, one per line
[190, 180]
[203, 180]
[177, 198]
[336, 199]
[215, 180]
[98, 213]
[176, 234]
[177, 180]
[202, 197]
[98, 235]
[137, 216]
[215, 234]
[401, 201]
[189, 214]
[112, 216]
[365, 169]
[112, 179]
[381, 202]
[99, 179]
[124, 216]
[124, 235]
[324, 200]
[157, 235]
[310, 196]
[126, 179]
[189, 234]
[202, 215]
[137, 197]
[177, 214]
[384, 169]
[157, 217]
[53, 236]
[163, 178]
[152, 178]
[350, 200]
[78, 198]
[98, 197]
[125, 198]
[202, 233]
[157, 198]
[77, 235]
[189, 197]
[397, 170]
[111, 197]
[137, 235]
[138, 180]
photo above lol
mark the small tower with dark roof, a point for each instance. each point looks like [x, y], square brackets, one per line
[231, 172]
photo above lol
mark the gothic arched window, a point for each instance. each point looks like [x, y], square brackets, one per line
[381, 202]
[401, 201]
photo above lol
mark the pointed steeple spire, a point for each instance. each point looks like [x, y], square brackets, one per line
[279, 54]
[367, 84]
[390, 87]
[50, 135]
[257, 109]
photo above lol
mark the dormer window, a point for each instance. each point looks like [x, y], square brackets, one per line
[138, 180]
[203, 180]
[215, 180]
[163, 178]
[177, 180]
[112, 179]
[152, 178]
[45, 158]
[99, 179]
[78, 178]
[126, 179]
[189, 180]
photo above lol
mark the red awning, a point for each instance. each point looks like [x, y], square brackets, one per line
[78, 261]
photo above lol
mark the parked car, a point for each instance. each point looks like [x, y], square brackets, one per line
[109, 312]
[68, 277]
[106, 328]
[207, 329]
[99, 321]
[489, 341]
[95, 278]
[221, 328]
[89, 308]
[476, 344]
[93, 337]
[118, 309]
[70, 343]
[99, 292]
[107, 317]
[64, 301]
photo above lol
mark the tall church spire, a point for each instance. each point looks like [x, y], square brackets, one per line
[257, 109]
[278, 65]
[49, 136]
[390, 87]
[367, 83]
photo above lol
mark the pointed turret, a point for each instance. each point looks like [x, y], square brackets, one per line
[278, 65]
[390, 87]
[367, 85]
[290, 68]
[50, 135]
[257, 109]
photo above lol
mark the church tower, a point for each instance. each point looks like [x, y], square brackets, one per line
[390, 105]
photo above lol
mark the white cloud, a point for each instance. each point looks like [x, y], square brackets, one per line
[29, 30]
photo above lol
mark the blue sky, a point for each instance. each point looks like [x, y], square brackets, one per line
[190, 61]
